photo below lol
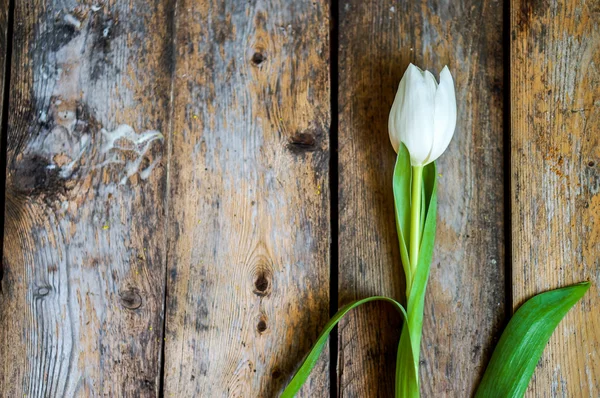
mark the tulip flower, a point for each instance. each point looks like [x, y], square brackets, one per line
[423, 116]
[422, 119]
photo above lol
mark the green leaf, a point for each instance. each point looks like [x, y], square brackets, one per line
[402, 185]
[522, 343]
[416, 297]
[304, 371]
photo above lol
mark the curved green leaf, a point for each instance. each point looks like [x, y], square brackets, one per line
[523, 341]
[304, 371]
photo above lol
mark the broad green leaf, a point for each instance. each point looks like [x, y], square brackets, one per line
[522, 343]
[304, 371]
[416, 297]
[402, 183]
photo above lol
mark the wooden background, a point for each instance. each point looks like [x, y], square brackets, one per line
[192, 188]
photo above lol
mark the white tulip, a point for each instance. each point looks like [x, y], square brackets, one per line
[423, 115]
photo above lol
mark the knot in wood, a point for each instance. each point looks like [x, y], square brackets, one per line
[262, 284]
[258, 58]
[262, 326]
[130, 299]
[42, 291]
[302, 142]
[276, 374]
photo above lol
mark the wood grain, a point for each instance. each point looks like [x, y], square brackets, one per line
[465, 302]
[248, 273]
[555, 173]
[4, 10]
[84, 245]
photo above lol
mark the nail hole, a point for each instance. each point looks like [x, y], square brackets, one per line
[591, 163]
[258, 58]
[261, 327]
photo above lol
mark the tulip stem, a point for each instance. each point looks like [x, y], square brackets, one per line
[415, 217]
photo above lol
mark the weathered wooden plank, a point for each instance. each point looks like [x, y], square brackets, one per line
[82, 293]
[248, 273]
[465, 300]
[555, 123]
[4, 10]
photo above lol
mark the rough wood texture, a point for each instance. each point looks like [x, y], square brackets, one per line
[248, 273]
[555, 123]
[4, 9]
[465, 302]
[82, 293]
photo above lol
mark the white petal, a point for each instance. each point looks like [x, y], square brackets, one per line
[414, 119]
[414, 68]
[431, 82]
[394, 114]
[445, 115]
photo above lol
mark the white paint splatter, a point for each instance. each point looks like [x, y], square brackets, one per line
[70, 19]
[144, 174]
[140, 142]
[67, 170]
[124, 138]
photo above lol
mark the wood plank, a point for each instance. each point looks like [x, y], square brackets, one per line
[4, 10]
[465, 302]
[555, 174]
[84, 246]
[248, 277]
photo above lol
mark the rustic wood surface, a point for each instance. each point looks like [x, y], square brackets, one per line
[4, 10]
[555, 172]
[464, 308]
[84, 241]
[168, 208]
[248, 271]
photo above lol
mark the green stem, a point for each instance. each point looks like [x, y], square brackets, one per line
[415, 216]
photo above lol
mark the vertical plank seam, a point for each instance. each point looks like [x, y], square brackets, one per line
[333, 188]
[507, 153]
[4, 124]
[172, 30]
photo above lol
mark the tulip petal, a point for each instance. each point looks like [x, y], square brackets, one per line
[444, 122]
[431, 82]
[392, 120]
[414, 118]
